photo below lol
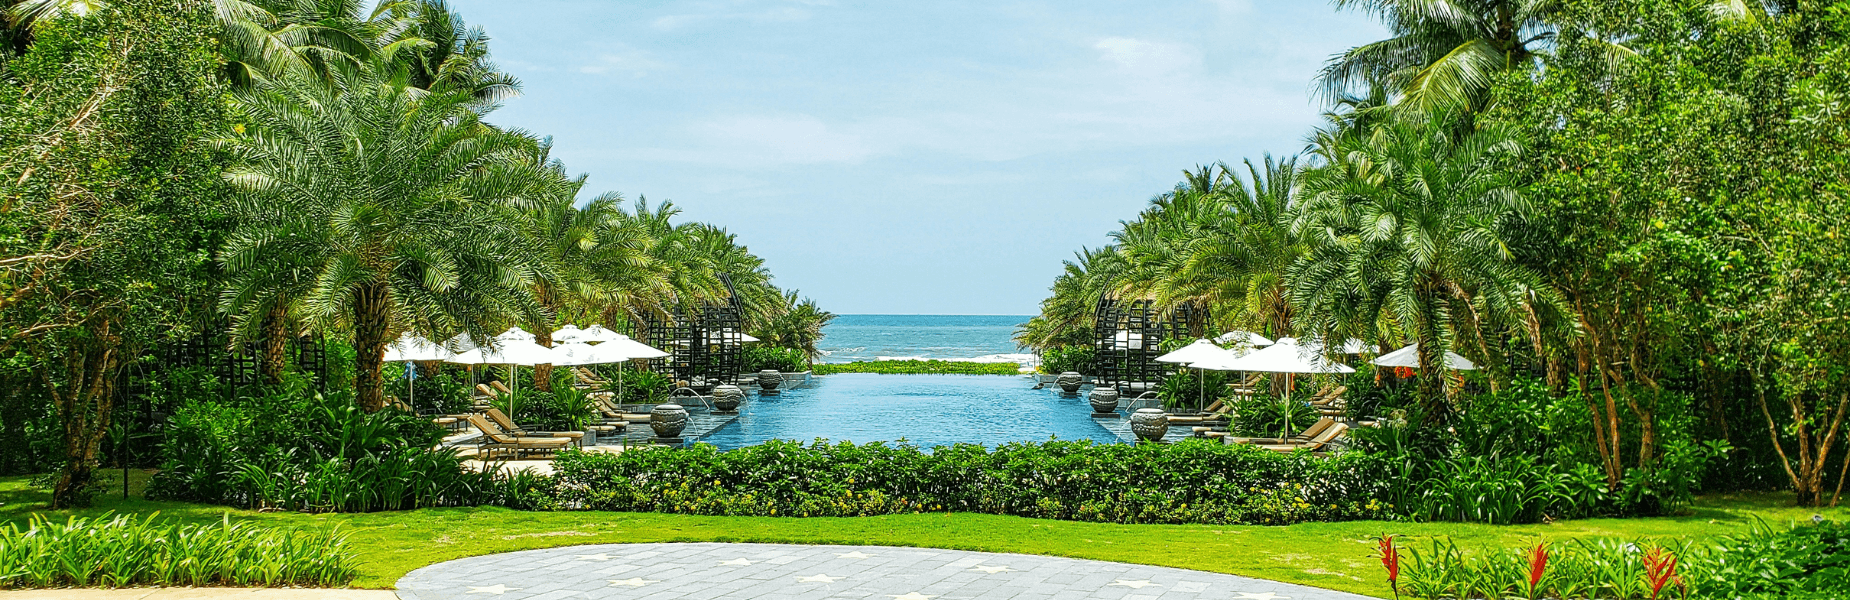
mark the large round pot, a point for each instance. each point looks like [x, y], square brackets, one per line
[1104, 400]
[1069, 382]
[668, 420]
[769, 379]
[1150, 424]
[726, 398]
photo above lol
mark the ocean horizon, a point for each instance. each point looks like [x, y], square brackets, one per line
[965, 338]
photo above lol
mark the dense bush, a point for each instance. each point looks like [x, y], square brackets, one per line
[1805, 561]
[290, 448]
[1060, 359]
[786, 360]
[1189, 482]
[123, 551]
[444, 391]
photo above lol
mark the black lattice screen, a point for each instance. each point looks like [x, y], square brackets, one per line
[702, 341]
[1128, 336]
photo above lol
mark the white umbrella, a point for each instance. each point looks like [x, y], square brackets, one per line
[1287, 357]
[1198, 351]
[411, 347]
[568, 333]
[597, 333]
[513, 347]
[571, 354]
[461, 343]
[1244, 337]
[1410, 357]
[622, 349]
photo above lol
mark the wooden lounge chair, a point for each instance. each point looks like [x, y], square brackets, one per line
[502, 387]
[494, 438]
[501, 419]
[1329, 396]
[1315, 443]
[1306, 435]
[1218, 412]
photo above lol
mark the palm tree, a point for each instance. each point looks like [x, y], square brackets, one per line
[1408, 227]
[564, 236]
[1444, 53]
[1066, 317]
[797, 325]
[394, 203]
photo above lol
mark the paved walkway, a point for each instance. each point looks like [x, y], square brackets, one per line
[711, 571]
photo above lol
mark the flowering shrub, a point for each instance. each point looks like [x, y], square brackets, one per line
[1188, 482]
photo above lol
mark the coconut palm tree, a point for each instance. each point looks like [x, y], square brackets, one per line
[394, 204]
[1409, 226]
[1066, 316]
[1444, 53]
[797, 325]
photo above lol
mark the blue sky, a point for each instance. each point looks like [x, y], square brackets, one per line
[912, 157]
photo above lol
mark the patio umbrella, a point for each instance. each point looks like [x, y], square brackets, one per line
[1244, 337]
[622, 349]
[1198, 351]
[1287, 357]
[410, 348]
[1409, 357]
[568, 333]
[514, 347]
[597, 333]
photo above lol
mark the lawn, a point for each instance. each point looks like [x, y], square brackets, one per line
[1330, 555]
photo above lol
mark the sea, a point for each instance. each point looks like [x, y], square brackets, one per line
[970, 338]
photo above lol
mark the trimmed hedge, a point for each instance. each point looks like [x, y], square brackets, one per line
[1188, 482]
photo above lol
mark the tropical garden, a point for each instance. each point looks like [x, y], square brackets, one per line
[1629, 212]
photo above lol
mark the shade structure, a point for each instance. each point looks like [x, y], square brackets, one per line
[568, 333]
[1243, 337]
[411, 347]
[597, 333]
[1409, 357]
[1199, 351]
[1287, 357]
[516, 334]
[461, 343]
[514, 347]
[571, 354]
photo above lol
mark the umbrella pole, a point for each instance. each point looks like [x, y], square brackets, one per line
[413, 384]
[1289, 379]
[1201, 398]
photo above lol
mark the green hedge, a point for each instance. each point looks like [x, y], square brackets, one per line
[1188, 482]
[123, 551]
[919, 367]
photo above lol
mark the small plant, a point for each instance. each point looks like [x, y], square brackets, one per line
[1660, 569]
[122, 551]
[1538, 565]
[1390, 560]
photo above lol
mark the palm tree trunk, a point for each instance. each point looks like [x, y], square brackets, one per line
[370, 324]
[275, 344]
[542, 374]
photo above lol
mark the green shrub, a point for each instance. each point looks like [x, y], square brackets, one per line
[785, 360]
[292, 449]
[1189, 482]
[123, 551]
[919, 367]
[1060, 359]
[1259, 415]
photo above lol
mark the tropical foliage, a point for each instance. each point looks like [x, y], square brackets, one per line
[1637, 204]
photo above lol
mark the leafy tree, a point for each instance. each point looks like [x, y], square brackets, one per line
[111, 203]
[796, 326]
[1410, 227]
[1444, 54]
[397, 202]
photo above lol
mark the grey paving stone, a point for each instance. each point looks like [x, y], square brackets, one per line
[788, 572]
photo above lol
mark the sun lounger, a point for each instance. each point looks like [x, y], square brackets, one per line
[1315, 443]
[501, 387]
[494, 438]
[1308, 434]
[501, 419]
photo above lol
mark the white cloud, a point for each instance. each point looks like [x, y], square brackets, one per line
[622, 60]
[1144, 56]
[782, 139]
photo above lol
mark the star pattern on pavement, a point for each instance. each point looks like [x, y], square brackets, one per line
[991, 570]
[818, 578]
[740, 562]
[855, 554]
[1135, 584]
[1260, 596]
[912, 596]
[598, 556]
[632, 582]
[496, 589]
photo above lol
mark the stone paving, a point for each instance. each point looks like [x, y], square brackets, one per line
[715, 571]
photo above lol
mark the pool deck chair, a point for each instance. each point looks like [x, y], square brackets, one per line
[501, 387]
[1315, 443]
[493, 438]
[1308, 434]
[507, 425]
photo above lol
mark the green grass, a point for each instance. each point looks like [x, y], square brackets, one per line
[919, 367]
[1330, 555]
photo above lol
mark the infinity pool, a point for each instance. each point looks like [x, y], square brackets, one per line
[925, 410]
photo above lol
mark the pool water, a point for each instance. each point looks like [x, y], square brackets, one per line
[925, 410]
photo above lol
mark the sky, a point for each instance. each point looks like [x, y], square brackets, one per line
[934, 157]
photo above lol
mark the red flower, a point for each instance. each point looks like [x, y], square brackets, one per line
[1538, 563]
[1390, 558]
[1660, 567]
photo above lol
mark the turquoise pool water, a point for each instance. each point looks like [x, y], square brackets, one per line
[925, 410]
